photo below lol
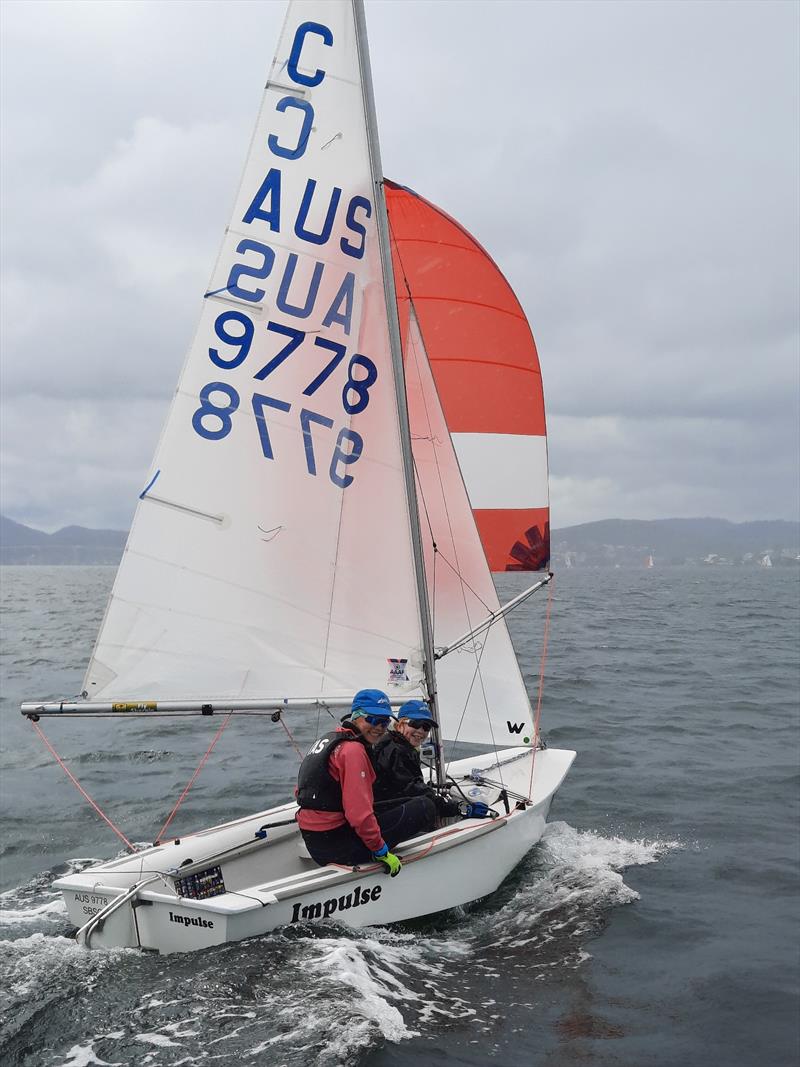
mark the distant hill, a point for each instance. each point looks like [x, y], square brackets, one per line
[632, 541]
[610, 542]
[72, 544]
[14, 533]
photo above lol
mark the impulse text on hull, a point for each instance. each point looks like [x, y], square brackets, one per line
[189, 920]
[323, 909]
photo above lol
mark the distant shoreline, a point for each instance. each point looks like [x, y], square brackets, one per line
[608, 543]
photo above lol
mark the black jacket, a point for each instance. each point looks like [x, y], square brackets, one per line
[398, 768]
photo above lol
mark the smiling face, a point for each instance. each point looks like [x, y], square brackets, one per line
[413, 730]
[371, 731]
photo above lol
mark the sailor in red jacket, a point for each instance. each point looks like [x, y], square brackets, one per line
[334, 791]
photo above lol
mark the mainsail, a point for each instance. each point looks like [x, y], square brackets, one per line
[486, 369]
[271, 550]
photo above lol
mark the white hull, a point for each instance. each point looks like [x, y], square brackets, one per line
[270, 883]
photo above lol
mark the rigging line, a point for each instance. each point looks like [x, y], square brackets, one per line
[433, 597]
[413, 348]
[414, 321]
[488, 715]
[335, 569]
[289, 734]
[467, 699]
[478, 674]
[424, 505]
[191, 781]
[541, 687]
[433, 543]
[456, 570]
[81, 790]
[466, 583]
[410, 346]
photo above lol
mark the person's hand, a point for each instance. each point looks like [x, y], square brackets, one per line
[476, 810]
[383, 855]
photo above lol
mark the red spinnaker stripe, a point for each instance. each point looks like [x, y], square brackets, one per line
[481, 351]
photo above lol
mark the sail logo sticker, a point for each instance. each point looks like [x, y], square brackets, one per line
[397, 671]
[323, 909]
[515, 727]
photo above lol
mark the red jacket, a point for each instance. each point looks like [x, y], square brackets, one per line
[350, 766]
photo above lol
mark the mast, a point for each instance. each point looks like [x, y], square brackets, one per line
[399, 372]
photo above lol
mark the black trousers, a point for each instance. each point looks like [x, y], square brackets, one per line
[343, 845]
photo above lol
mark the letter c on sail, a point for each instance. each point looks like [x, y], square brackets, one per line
[305, 130]
[297, 47]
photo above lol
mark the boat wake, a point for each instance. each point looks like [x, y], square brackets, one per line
[318, 994]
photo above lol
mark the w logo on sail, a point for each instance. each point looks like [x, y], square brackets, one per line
[515, 727]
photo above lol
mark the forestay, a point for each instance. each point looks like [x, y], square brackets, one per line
[270, 553]
[484, 674]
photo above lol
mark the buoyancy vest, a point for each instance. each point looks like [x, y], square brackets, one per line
[317, 789]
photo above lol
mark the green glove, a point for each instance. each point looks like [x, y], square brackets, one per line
[389, 858]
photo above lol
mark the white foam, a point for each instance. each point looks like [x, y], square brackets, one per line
[28, 961]
[161, 1040]
[343, 961]
[586, 849]
[83, 1056]
[17, 916]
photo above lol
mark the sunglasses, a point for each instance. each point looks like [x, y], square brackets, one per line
[377, 720]
[426, 727]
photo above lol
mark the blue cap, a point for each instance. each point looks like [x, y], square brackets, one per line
[417, 711]
[370, 702]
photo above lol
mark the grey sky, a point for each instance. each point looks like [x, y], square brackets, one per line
[632, 167]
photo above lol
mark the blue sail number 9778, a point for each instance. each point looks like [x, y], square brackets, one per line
[213, 419]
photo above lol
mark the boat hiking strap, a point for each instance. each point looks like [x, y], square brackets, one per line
[81, 790]
[541, 687]
[191, 781]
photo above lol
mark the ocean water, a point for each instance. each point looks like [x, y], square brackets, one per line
[657, 923]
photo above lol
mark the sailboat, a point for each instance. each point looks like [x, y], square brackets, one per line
[306, 530]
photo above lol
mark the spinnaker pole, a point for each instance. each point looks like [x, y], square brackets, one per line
[395, 341]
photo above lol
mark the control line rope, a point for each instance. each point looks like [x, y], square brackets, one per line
[541, 686]
[191, 781]
[81, 790]
[291, 738]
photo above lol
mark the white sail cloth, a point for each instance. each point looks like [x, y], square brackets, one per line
[481, 693]
[270, 554]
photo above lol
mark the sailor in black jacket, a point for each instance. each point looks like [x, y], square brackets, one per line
[396, 759]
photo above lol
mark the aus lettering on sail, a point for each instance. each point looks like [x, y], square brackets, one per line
[284, 307]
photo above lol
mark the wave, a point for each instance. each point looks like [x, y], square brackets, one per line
[318, 994]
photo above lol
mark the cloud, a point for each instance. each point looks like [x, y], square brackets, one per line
[632, 168]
